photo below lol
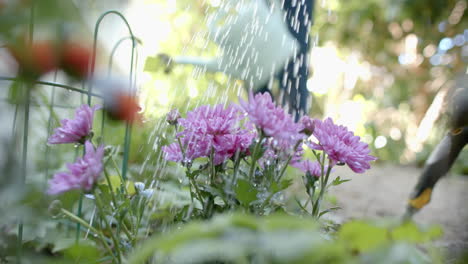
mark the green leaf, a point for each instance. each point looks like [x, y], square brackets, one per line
[276, 187]
[410, 232]
[301, 206]
[260, 151]
[189, 232]
[62, 244]
[338, 181]
[84, 251]
[363, 236]
[215, 192]
[397, 253]
[151, 64]
[329, 210]
[69, 199]
[245, 192]
[16, 92]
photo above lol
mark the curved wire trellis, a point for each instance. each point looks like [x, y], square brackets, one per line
[84, 92]
[128, 128]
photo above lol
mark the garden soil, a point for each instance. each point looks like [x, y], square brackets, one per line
[382, 192]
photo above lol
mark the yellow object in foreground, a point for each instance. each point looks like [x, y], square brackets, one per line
[116, 182]
[420, 201]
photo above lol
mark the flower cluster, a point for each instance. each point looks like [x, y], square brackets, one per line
[86, 170]
[273, 121]
[278, 126]
[82, 174]
[270, 141]
[75, 130]
[341, 145]
[210, 130]
[216, 130]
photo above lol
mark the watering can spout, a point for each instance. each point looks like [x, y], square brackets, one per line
[208, 64]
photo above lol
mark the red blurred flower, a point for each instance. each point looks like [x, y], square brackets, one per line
[36, 59]
[125, 108]
[75, 59]
[120, 100]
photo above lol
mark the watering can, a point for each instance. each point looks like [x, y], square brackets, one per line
[254, 41]
[446, 152]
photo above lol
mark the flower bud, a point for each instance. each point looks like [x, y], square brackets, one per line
[55, 208]
[172, 116]
[308, 125]
[139, 186]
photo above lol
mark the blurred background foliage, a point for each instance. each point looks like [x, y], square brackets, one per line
[401, 59]
[383, 68]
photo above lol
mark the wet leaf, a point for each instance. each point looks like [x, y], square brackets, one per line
[276, 187]
[362, 236]
[245, 192]
[85, 251]
[410, 232]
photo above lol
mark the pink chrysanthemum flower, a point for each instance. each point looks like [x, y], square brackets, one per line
[272, 120]
[82, 174]
[75, 130]
[226, 146]
[312, 167]
[194, 146]
[208, 128]
[341, 145]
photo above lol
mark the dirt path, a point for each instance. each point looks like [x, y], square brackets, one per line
[383, 192]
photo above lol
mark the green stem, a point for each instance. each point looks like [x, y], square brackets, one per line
[29, 86]
[254, 156]
[212, 166]
[236, 168]
[127, 232]
[100, 235]
[182, 149]
[197, 190]
[231, 198]
[285, 166]
[78, 225]
[323, 185]
[108, 226]
[116, 167]
[111, 189]
[266, 201]
[79, 220]
[310, 190]
[126, 157]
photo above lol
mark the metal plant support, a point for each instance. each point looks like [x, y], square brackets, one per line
[86, 93]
